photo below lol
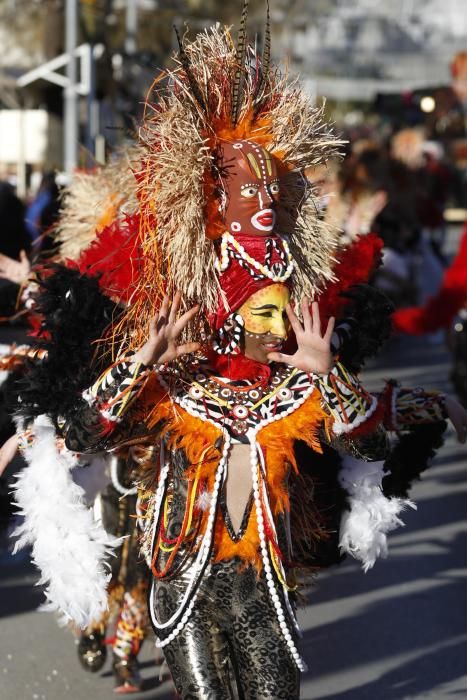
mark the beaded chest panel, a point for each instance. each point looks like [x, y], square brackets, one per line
[239, 406]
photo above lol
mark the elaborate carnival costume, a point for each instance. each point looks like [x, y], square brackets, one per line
[233, 508]
[232, 433]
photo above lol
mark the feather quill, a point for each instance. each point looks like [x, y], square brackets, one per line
[265, 62]
[185, 61]
[237, 88]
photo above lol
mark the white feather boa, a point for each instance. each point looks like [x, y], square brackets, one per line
[364, 528]
[68, 546]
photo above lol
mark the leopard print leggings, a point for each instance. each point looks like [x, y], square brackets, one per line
[232, 646]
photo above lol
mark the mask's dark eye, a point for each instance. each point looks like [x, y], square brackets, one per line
[249, 191]
[274, 188]
[264, 314]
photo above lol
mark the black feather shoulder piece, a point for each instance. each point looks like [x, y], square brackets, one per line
[368, 323]
[75, 314]
[411, 456]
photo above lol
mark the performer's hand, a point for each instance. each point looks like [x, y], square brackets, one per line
[458, 417]
[164, 331]
[14, 270]
[7, 452]
[314, 349]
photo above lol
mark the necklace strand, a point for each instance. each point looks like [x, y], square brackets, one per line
[223, 263]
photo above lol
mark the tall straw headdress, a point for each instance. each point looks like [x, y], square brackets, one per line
[215, 93]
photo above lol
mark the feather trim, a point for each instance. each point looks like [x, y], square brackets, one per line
[92, 202]
[237, 87]
[74, 313]
[416, 447]
[200, 442]
[364, 527]
[68, 546]
[355, 264]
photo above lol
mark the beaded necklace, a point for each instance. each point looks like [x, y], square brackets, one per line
[230, 247]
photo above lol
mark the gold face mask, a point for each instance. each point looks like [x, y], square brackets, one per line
[264, 312]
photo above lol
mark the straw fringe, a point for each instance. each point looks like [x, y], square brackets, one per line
[180, 183]
[92, 202]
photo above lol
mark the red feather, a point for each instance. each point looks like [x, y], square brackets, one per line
[115, 257]
[355, 265]
[237, 367]
[439, 311]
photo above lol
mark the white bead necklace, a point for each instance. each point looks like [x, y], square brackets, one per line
[207, 541]
[223, 263]
[186, 605]
[116, 483]
[274, 532]
[255, 471]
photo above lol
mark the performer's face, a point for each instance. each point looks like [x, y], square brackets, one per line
[252, 187]
[266, 323]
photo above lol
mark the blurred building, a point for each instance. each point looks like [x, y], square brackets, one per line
[355, 48]
[346, 50]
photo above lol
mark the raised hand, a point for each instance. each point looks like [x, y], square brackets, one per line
[458, 417]
[313, 349]
[14, 270]
[7, 452]
[164, 331]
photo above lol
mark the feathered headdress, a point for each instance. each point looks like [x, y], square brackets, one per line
[215, 93]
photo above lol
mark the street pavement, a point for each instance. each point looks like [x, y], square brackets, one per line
[399, 631]
[395, 633]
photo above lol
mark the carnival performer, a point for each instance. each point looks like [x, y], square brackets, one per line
[225, 370]
[226, 414]
[440, 311]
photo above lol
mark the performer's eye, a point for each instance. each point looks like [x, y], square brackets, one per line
[274, 188]
[249, 191]
[264, 314]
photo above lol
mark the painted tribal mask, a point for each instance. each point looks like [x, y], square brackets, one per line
[252, 188]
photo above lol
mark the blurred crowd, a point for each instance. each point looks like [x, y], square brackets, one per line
[399, 190]
[411, 190]
[25, 235]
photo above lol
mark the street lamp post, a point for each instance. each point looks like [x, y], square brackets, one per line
[70, 93]
[131, 23]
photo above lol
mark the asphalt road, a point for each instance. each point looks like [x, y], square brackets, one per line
[396, 632]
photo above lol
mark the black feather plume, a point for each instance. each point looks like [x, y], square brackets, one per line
[369, 316]
[237, 88]
[75, 314]
[411, 456]
[185, 61]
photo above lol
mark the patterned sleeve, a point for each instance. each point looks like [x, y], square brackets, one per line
[98, 422]
[348, 403]
[408, 407]
[117, 388]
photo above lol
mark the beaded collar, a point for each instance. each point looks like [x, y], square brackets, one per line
[238, 406]
[278, 272]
